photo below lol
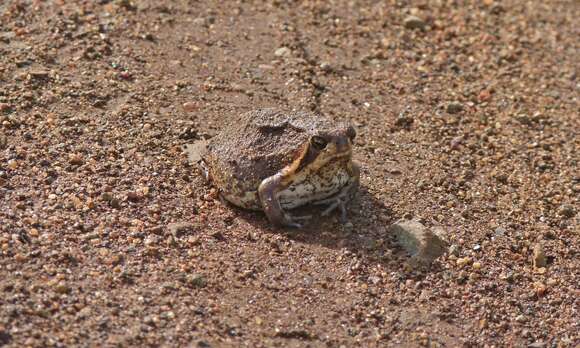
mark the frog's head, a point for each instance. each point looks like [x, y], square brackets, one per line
[322, 147]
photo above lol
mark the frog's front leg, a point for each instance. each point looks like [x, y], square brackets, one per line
[268, 194]
[340, 200]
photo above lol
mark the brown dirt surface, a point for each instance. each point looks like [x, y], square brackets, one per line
[467, 116]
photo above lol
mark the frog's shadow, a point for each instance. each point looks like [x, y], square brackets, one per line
[366, 236]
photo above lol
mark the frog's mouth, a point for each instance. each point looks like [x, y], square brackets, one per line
[312, 160]
[340, 152]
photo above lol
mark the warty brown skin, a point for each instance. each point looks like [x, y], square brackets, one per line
[272, 160]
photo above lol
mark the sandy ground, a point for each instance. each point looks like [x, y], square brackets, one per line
[467, 119]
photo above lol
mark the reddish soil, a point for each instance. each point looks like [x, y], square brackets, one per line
[467, 119]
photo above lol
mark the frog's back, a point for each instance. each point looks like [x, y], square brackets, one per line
[255, 146]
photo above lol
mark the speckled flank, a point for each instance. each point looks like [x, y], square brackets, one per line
[308, 187]
[248, 200]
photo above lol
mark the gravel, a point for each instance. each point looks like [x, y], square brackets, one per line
[99, 98]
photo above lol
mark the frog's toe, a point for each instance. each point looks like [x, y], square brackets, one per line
[303, 217]
[332, 206]
[292, 221]
[343, 217]
[337, 204]
[292, 224]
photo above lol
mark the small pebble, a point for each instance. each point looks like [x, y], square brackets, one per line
[178, 229]
[414, 22]
[39, 73]
[282, 52]
[12, 164]
[484, 96]
[326, 67]
[473, 277]
[567, 211]
[199, 21]
[75, 159]
[125, 75]
[540, 288]
[500, 232]
[115, 203]
[197, 280]
[144, 190]
[20, 258]
[62, 288]
[538, 344]
[190, 106]
[454, 250]
[539, 257]
[133, 196]
[463, 261]
[454, 107]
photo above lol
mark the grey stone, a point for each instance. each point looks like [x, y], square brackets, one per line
[195, 151]
[500, 232]
[421, 243]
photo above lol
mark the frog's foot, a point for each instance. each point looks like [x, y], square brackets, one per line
[336, 202]
[291, 221]
[339, 201]
[345, 195]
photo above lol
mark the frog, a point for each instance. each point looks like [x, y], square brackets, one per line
[274, 160]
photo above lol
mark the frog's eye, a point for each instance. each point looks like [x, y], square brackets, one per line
[319, 143]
